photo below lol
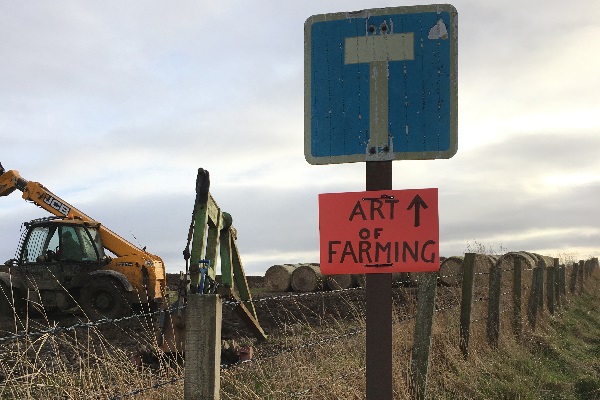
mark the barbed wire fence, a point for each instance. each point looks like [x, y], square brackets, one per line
[577, 273]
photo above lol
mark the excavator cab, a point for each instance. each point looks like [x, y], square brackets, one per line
[50, 240]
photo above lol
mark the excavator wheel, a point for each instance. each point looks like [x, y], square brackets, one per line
[7, 298]
[104, 298]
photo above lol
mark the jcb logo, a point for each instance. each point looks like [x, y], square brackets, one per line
[57, 205]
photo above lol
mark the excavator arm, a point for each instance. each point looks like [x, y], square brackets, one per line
[44, 198]
[10, 181]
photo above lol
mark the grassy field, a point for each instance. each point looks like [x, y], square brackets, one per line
[559, 360]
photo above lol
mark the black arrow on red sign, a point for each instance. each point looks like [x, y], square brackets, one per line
[417, 203]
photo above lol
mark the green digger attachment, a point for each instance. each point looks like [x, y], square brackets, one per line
[212, 234]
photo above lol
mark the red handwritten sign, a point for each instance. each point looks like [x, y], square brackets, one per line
[379, 231]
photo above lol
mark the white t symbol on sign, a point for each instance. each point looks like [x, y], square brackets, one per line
[378, 50]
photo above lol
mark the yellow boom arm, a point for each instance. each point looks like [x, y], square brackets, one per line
[41, 196]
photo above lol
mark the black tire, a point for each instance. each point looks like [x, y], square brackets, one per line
[105, 298]
[7, 308]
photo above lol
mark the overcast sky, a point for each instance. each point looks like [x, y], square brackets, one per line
[114, 105]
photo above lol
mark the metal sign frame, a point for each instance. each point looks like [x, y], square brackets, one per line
[381, 84]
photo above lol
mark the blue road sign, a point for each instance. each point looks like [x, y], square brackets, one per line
[381, 85]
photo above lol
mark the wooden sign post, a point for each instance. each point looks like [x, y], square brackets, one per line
[379, 307]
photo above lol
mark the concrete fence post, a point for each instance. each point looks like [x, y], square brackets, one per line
[581, 275]
[588, 267]
[536, 299]
[541, 269]
[593, 265]
[422, 335]
[562, 279]
[493, 319]
[466, 303]
[550, 289]
[203, 347]
[573, 277]
[517, 323]
[557, 299]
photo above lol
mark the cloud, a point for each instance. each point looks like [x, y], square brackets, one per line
[115, 105]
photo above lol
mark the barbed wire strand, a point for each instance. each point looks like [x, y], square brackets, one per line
[290, 296]
[313, 344]
[60, 329]
[91, 324]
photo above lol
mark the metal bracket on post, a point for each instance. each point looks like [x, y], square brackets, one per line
[203, 274]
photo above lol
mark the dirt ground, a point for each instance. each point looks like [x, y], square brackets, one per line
[280, 310]
[279, 314]
[275, 310]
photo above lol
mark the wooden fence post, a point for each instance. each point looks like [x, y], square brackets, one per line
[493, 320]
[203, 347]
[517, 297]
[422, 335]
[466, 303]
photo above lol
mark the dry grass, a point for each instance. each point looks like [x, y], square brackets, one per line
[326, 359]
[81, 364]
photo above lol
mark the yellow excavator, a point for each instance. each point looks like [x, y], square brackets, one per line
[62, 262]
